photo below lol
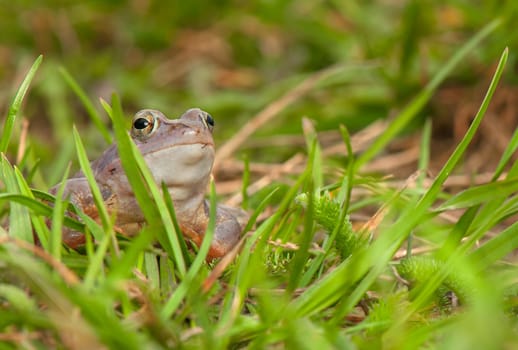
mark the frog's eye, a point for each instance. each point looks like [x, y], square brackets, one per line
[207, 120]
[144, 124]
[141, 123]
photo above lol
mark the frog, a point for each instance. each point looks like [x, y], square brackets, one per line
[180, 154]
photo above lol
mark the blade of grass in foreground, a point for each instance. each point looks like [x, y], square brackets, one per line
[19, 220]
[39, 208]
[496, 248]
[174, 301]
[506, 156]
[480, 194]
[170, 207]
[241, 276]
[38, 223]
[153, 206]
[484, 217]
[90, 109]
[87, 170]
[15, 106]
[344, 197]
[96, 321]
[250, 264]
[299, 260]
[96, 263]
[58, 214]
[123, 267]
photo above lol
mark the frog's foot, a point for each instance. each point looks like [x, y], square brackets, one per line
[226, 234]
[229, 227]
[73, 239]
[225, 238]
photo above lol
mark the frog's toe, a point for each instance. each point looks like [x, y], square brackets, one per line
[73, 239]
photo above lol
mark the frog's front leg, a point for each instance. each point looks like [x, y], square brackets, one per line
[78, 193]
[229, 226]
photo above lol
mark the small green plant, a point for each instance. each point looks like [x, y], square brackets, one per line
[418, 270]
[327, 213]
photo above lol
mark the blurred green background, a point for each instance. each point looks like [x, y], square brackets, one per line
[232, 58]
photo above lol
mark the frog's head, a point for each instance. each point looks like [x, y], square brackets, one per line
[179, 152]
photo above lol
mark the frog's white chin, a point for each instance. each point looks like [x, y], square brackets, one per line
[186, 168]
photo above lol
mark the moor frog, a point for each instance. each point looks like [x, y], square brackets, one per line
[180, 154]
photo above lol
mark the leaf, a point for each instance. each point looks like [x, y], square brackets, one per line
[15, 106]
[145, 189]
[19, 220]
[90, 109]
[57, 219]
[39, 208]
[480, 194]
[496, 248]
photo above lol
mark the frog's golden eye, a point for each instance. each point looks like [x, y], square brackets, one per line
[207, 120]
[144, 124]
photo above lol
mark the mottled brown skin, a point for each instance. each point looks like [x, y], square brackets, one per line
[180, 154]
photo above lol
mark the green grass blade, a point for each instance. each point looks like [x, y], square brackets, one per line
[301, 256]
[96, 321]
[187, 283]
[123, 267]
[250, 264]
[18, 298]
[57, 219]
[19, 220]
[316, 263]
[424, 151]
[480, 194]
[16, 104]
[245, 183]
[511, 148]
[152, 269]
[107, 107]
[90, 108]
[39, 208]
[170, 207]
[246, 273]
[209, 233]
[481, 216]
[96, 263]
[344, 197]
[496, 248]
[89, 175]
[457, 232]
[152, 206]
[38, 223]
[171, 240]
[424, 96]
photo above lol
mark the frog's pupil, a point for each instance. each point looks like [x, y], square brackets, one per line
[210, 120]
[141, 123]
